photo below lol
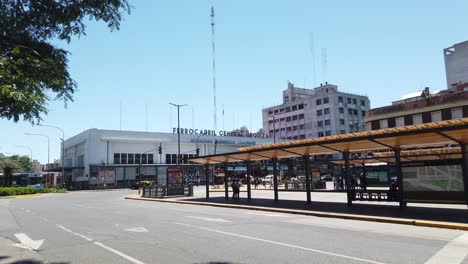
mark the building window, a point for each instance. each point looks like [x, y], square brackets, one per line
[320, 123]
[363, 103]
[351, 128]
[328, 133]
[276, 111]
[363, 113]
[289, 128]
[116, 158]
[144, 158]
[383, 123]
[341, 109]
[301, 106]
[294, 128]
[436, 116]
[341, 121]
[131, 159]
[340, 99]
[349, 100]
[288, 109]
[354, 101]
[301, 126]
[325, 100]
[350, 111]
[281, 110]
[327, 122]
[457, 113]
[288, 119]
[294, 117]
[150, 159]
[320, 134]
[342, 132]
[301, 116]
[319, 112]
[417, 119]
[302, 136]
[399, 121]
[326, 111]
[270, 112]
[123, 158]
[137, 158]
[318, 102]
[294, 107]
[355, 112]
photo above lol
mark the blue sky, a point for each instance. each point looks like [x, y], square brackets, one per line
[162, 54]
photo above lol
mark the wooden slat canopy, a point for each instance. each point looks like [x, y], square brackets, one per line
[425, 135]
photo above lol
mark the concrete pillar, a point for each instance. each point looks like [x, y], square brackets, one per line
[399, 177]
[307, 174]
[464, 166]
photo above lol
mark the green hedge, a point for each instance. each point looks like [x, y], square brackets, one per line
[53, 190]
[10, 191]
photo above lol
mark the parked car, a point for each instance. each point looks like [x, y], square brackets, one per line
[37, 186]
[326, 177]
[268, 178]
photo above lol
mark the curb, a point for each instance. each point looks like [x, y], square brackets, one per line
[381, 219]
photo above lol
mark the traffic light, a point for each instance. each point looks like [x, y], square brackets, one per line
[160, 149]
[197, 153]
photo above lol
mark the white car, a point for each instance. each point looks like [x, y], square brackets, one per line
[268, 178]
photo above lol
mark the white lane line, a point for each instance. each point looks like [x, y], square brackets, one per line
[219, 220]
[453, 253]
[76, 234]
[281, 244]
[127, 257]
[266, 214]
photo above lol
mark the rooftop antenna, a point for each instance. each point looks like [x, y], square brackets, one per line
[312, 50]
[214, 66]
[324, 64]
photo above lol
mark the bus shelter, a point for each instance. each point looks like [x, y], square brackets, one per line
[394, 145]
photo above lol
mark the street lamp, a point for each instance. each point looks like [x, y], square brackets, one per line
[274, 129]
[178, 130]
[63, 149]
[48, 145]
[30, 149]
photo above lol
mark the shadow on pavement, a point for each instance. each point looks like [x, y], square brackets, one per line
[30, 261]
[413, 211]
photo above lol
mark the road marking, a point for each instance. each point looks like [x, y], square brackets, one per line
[219, 220]
[137, 230]
[280, 243]
[453, 253]
[266, 214]
[76, 234]
[127, 257]
[28, 211]
[27, 243]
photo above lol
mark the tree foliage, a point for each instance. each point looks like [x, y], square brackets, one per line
[31, 69]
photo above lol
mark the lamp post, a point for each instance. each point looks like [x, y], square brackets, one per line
[178, 130]
[48, 145]
[63, 149]
[30, 149]
[274, 129]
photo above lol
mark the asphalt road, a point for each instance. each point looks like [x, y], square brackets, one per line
[102, 227]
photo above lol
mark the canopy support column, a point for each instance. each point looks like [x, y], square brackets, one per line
[226, 186]
[465, 169]
[275, 178]
[399, 174]
[207, 181]
[249, 172]
[348, 178]
[307, 174]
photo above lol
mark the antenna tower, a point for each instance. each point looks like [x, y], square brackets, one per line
[214, 66]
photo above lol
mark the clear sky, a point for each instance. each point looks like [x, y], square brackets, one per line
[162, 54]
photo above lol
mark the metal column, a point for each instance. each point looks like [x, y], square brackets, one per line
[464, 166]
[275, 178]
[226, 185]
[307, 174]
[249, 171]
[207, 181]
[399, 177]
[348, 178]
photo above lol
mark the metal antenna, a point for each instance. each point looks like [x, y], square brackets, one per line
[324, 64]
[214, 66]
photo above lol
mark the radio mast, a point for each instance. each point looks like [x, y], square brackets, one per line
[214, 66]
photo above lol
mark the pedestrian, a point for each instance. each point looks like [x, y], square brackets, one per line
[235, 189]
[256, 183]
[198, 181]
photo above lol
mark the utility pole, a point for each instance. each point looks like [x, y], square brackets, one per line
[178, 130]
[63, 149]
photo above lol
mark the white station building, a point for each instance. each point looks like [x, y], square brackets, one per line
[113, 158]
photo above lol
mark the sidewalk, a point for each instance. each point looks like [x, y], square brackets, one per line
[334, 205]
